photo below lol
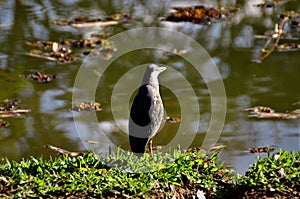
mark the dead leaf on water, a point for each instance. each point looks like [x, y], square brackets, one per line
[9, 109]
[40, 77]
[288, 47]
[87, 106]
[3, 123]
[173, 120]
[218, 147]
[264, 112]
[259, 109]
[261, 149]
[200, 14]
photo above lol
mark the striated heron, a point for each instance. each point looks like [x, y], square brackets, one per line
[147, 112]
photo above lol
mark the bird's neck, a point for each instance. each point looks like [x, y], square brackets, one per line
[151, 80]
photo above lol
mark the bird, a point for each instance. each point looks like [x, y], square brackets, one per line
[147, 112]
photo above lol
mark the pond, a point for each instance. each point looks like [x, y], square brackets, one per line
[230, 45]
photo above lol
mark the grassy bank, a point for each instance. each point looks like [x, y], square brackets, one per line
[181, 174]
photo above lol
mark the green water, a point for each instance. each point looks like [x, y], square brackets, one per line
[230, 44]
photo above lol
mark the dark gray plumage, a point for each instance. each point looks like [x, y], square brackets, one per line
[147, 112]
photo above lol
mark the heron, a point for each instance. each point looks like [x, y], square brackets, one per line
[147, 112]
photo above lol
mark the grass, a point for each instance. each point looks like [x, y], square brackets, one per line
[164, 175]
[276, 175]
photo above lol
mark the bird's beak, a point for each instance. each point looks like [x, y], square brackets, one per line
[161, 69]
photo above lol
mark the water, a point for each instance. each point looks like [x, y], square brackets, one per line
[230, 43]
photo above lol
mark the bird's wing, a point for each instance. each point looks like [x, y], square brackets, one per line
[139, 122]
[139, 112]
[156, 111]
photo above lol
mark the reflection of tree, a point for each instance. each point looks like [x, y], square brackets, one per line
[27, 136]
[17, 32]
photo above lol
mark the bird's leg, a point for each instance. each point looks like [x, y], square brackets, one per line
[150, 148]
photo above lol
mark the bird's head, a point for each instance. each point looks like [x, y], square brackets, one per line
[153, 68]
[151, 74]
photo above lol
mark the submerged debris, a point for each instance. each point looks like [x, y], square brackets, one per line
[52, 46]
[262, 149]
[60, 51]
[9, 104]
[68, 43]
[173, 120]
[268, 4]
[296, 111]
[92, 141]
[195, 150]
[295, 24]
[271, 34]
[85, 22]
[87, 106]
[106, 51]
[40, 77]
[288, 47]
[259, 109]
[268, 113]
[217, 148]
[175, 52]
[52, 56]
[3, 123]
[155, 148]
[294, 18]
[274, 37]
[200, 14]
[101, 35]
[290, 14]
[9, 109]
[272, 42]
[276, 115]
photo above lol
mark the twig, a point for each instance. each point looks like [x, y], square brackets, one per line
[276, 115]
[91, 24]
[16, 111]
[5, 25]
[41, 56]
[64, 152]
[280, 31]
[13, 113]
[275, 45]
